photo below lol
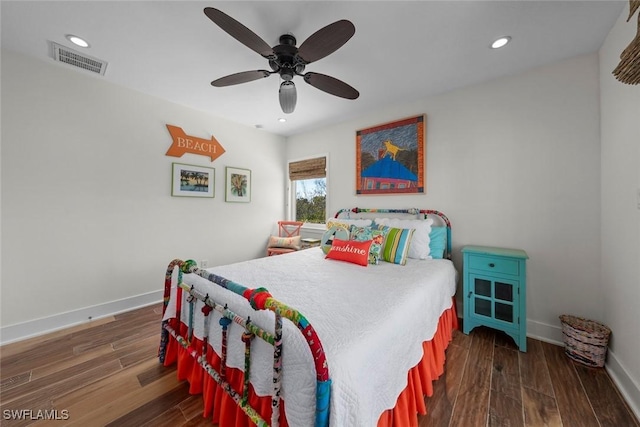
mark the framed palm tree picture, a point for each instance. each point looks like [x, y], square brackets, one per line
[238, 185]
[192, 181]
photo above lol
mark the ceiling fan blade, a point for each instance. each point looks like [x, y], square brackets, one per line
[239, 32]
[331, 85]
[326, 41]
[243, 77]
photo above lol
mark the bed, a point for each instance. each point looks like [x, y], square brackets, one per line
[326, 342]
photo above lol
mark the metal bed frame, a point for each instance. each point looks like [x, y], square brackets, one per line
[259, 299]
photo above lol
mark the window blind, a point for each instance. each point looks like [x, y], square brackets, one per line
[307, 169]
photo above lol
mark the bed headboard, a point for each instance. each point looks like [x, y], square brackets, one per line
[419, 213]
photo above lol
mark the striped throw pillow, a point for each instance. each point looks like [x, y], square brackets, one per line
[396, 244]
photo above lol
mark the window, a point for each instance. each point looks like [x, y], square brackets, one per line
[309, 190]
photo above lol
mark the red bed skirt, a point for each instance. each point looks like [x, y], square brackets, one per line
[410, 403]
[222, 410]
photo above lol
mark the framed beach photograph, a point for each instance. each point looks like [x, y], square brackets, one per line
[390, 158]
[238, 185]
[192, 181]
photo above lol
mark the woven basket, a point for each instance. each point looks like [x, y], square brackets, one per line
[585, 341]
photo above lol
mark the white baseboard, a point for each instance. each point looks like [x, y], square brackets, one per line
[544, 332]
[629, 389]
[32, 328]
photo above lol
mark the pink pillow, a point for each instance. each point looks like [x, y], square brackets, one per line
[350, 251]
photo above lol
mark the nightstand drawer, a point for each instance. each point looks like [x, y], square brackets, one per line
[494, 264]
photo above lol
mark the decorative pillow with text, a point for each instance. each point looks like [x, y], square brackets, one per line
[350, 251]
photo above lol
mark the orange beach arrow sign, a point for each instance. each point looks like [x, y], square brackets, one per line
[183, 143]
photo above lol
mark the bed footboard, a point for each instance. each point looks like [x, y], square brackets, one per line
[259, 299]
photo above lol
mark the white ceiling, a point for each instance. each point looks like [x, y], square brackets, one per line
[401, 51]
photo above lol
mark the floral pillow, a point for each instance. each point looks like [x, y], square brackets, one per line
[367, 233]
[360, 233]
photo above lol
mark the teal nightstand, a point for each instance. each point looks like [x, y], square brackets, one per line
[495, 290]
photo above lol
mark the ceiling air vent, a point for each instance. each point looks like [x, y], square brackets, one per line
[72, 57]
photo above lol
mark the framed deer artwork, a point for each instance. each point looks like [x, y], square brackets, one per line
[390, 158]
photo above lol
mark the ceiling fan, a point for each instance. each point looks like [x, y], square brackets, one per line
[287, 60]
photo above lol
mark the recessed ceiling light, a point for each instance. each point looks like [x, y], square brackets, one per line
[502, 41]
[282, 120]
[77, 40]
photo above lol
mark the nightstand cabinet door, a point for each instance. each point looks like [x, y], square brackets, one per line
[495, 299]
[495, 291]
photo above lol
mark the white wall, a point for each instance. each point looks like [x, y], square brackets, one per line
[513, 162]
[620, 250]
[88, 216]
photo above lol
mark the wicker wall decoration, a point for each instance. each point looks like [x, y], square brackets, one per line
[628, 70]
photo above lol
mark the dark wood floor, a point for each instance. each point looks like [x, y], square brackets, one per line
[487, 381]
[105, 373]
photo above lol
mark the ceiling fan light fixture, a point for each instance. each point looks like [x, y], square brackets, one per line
[500, 42]
[288, 96]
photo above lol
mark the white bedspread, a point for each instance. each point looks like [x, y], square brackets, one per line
[371, 321]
